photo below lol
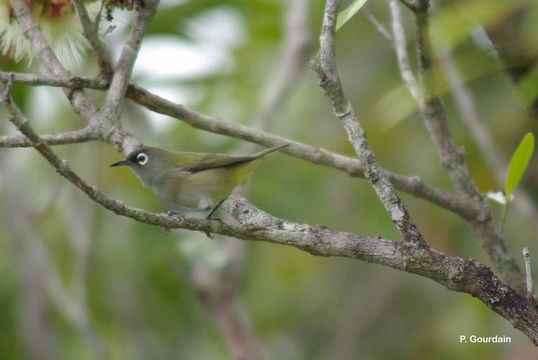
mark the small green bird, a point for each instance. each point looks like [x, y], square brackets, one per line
[191, 182]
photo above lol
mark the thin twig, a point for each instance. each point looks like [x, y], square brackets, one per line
[113, 132]
[124, 67]
[400, 47]
[292, 61]
[432, 111]
[378, 25]
[72, 137]
[90, 30]
[468, 112]
[51, 80]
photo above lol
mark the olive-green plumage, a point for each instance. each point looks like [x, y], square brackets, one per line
[189, 181]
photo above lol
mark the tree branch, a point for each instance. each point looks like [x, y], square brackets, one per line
[292, 60]
[56, 81]
[124, 67]
[400, 47]
[374, 173]
[431, 110]
[78, 136]
[379, 27]
[90, 29]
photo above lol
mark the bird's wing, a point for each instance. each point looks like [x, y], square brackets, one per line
[212, 161]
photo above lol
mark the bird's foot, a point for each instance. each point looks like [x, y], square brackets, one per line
[176, 213]
[181, 212]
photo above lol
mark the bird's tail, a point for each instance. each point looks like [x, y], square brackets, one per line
[269, 151]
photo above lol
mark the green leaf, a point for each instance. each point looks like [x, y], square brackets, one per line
[348, 13]
[519, 163]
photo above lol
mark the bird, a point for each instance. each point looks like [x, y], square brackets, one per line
[191, 182]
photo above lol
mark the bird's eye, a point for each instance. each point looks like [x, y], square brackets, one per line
[142, 159]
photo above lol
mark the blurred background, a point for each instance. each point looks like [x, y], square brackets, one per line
[78, 282]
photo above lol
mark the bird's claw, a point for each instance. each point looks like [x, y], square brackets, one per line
[175, 213]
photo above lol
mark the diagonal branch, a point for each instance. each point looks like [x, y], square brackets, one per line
[431, 110]
[291, 63]
[433, 114]
[374, 173]
[90, 30]
[124, 68]
[112, 130]
[400, 46]
[379, 27]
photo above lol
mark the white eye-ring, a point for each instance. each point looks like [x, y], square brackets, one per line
[142, 159]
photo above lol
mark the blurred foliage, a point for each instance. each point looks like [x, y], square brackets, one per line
[301, 306]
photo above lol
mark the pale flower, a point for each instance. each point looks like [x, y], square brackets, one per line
[59, 25]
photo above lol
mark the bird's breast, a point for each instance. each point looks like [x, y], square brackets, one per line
[199, 189]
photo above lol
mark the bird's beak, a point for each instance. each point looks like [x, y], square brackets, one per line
[119, 163]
